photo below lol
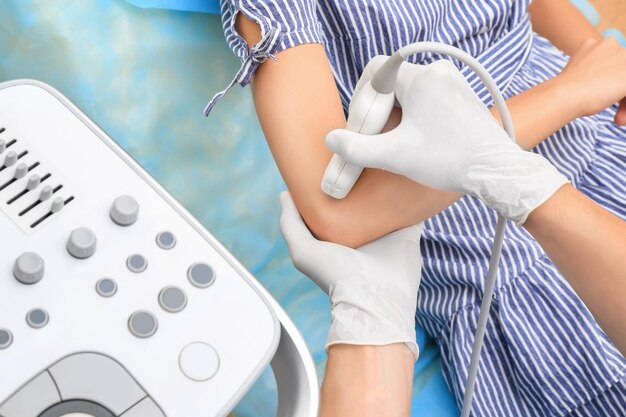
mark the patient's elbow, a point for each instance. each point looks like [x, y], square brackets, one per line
[335, 222]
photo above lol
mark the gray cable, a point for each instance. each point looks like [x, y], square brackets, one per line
[389, 71]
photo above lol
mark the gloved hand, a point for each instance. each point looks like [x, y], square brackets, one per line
[372, 289]
[448, 140]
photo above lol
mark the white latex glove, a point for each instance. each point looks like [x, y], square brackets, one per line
[369, 71]
[372, 289]
[448, 140]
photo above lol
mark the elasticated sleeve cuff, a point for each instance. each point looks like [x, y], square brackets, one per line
[283, 24]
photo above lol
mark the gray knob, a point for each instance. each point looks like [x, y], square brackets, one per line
[57, 205]
[10, 159]
[33, 182]
[46, 193]
[3, 145]
[82, 243]
[125, 210]
[20, 171]
[28, 268]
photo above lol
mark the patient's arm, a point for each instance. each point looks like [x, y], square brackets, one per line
[562, 23]
[298, 104]
[587, 244]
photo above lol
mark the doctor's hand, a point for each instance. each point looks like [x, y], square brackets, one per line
[449, 140]
[372, 289]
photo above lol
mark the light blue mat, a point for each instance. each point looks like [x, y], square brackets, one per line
[144, 75]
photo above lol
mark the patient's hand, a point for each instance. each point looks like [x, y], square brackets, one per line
[595, 77]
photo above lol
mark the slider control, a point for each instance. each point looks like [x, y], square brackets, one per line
[33, 182]
[20, 171]
[46, 193]
[10, 159]
[57, 204]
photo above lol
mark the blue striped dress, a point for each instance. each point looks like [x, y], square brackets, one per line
[544, 353]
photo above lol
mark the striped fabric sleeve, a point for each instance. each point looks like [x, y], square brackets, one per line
[283, 24]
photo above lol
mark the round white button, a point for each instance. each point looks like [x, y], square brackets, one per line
[28, 268]
[199, 361]
[82, 243]
[125, 210]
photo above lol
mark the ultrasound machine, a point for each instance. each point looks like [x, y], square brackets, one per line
[114, 300]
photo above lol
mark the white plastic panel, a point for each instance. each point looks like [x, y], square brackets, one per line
[230, 315]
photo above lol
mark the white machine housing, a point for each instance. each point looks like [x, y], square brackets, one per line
[235, 316]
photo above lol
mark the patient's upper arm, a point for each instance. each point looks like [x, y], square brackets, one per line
[298, 103]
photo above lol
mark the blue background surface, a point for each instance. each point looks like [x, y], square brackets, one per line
[144, 75]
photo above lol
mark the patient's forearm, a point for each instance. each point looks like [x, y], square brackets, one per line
[587, 244]
[562, 23]
[364, 381]
[540, 111]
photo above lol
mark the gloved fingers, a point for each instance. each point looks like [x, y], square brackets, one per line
[291, 223]
[372, 151]
[410, 344]
[369, 71]
[408, 75]
[300, 241]
[412, 233]
[402, 245]
[296, 233]
[439, 83]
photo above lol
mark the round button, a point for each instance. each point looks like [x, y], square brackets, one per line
[37, 318]
[137, 263]
[125, 210]
[166, 240]
[82, 243]
[199, 361]
[28, 268]
[106, 287]
[201, 275]
[172, 299]
[6, 338]
[143, 324]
